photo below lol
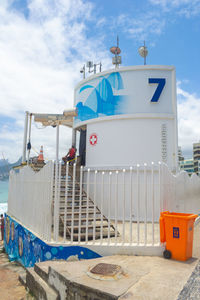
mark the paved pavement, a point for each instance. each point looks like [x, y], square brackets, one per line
[10, 287]
[161, 279]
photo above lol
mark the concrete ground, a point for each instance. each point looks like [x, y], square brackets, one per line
[148, 278]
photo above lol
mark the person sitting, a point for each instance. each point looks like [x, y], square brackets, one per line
[70, 155]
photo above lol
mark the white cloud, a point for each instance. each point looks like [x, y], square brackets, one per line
[141, 26]
[188, 119]
[187, 8]
[40, 60]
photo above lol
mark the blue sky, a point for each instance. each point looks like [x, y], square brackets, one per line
[43, 45]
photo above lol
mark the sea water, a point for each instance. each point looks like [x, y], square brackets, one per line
[3, 196]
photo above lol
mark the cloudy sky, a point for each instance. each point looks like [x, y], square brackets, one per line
[44, 43]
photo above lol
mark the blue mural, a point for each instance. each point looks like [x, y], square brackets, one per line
[23, 246]
[101, 100]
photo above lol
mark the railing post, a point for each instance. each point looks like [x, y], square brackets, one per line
[152, 199]
[145, 203]
[87, 211]
[95, 193]
[66, 199]
[116, 207]
[80, 204]
[159, 182]
[109, 204]
[131, 206]
[138, 205]
[160, 197]
[123, 231]
[55, 227]
[25, 137]
[73, 197]
[102, 201]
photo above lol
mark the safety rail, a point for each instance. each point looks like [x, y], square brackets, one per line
[119, 207]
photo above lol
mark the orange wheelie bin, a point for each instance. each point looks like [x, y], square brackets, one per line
[176, 229]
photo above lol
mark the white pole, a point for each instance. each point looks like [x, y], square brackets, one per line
[109, 204]
[145, 199]
[73, 199]
[152, 195]
[123, 233]
[116, 207]
[160, 198]
[25, 137]
[95, 192]
[66, 199]
[80, 204]
[131, 205]
[57, 143]
[74, 137]
[102, 201]
[29, 136]
[87, 209]
[56, 187]
[138, 206]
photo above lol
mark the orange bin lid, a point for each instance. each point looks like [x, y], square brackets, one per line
[179, 215]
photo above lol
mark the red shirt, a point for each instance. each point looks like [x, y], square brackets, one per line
[72, 152]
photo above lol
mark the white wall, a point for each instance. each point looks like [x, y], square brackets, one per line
[123, 142]
[116, 106]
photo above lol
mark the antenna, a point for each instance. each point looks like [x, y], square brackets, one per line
[82, 70]
[143, 52]
[92, 68]
[116, 60]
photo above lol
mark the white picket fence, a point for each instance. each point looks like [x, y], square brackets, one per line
[130, 198]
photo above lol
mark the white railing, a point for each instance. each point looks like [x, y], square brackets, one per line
[120, 207]
[30, 199]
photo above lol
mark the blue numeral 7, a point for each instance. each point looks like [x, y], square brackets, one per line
[158, 91]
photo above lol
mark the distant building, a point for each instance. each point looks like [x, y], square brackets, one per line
[187, 165]
[180, 155]
[196, 157]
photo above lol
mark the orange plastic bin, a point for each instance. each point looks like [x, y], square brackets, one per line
[176, 229]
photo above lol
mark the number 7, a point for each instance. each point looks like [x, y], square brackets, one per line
[158, 91]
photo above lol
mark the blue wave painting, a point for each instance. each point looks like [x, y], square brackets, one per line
[101, 100]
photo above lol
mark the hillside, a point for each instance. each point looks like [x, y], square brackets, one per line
[5, 167]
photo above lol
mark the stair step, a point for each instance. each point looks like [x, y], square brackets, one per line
[42, 270]
[83, 213]
[82, 219]
[76, 207]
[89, 226]
[97, 235]
[37, 286]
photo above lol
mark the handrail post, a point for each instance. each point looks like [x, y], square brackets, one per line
[73, 198]
[145, 203]
[87, 209]
[138, 205]
[131, 205]
[124, 206]
[152, 199]
[80, 204]
[66, 199]
[116, 207]
[95, 193]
